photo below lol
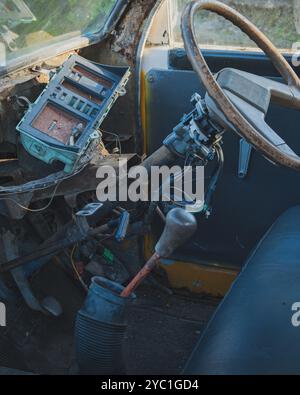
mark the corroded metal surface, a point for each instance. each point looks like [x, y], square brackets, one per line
[129, 31]
[141, 276]
[199, 64]
[57, 123]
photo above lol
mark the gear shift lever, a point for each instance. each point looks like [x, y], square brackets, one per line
[180, 226]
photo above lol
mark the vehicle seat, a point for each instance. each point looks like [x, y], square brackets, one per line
[252, 333]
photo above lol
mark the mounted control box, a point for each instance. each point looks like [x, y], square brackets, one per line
[63, 124]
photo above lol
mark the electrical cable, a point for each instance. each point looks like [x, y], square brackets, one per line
[118, 140]
[35, 210]
[75, 269]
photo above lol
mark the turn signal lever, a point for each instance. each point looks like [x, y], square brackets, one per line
[180, 226]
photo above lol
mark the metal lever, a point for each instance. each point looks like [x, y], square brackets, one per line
[49, 305]
[244, 159]
[180, 226]
[66, 237]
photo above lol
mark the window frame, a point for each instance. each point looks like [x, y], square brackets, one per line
[53, 49]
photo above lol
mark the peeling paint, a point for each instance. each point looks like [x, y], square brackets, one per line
[129, 30]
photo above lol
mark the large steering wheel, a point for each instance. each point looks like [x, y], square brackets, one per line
[241, 97]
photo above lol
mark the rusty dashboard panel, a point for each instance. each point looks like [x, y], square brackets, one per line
[63, 124]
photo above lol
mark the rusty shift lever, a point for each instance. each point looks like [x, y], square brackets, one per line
[180, 226]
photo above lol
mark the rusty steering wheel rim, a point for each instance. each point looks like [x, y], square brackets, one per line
[244, 128]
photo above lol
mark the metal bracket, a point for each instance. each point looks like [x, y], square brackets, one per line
[244, 159]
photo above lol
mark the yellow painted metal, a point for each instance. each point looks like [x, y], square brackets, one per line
[200, 279]
[197, 278]
[143, 110]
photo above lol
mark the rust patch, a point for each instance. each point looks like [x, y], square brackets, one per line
[82, 93]
[88, 74]
[129, 31]
[141, 276]
[56, 123]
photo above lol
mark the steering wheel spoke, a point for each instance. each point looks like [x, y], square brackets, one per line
[257, 90]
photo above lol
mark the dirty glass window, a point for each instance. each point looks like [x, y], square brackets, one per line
[26, 25]
[278, 19]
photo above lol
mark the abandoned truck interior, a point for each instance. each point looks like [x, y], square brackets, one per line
[149, 207]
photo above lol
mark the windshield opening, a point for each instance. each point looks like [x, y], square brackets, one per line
[279, 20]
[30, 25]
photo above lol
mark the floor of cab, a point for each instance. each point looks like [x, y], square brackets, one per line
[162, 332]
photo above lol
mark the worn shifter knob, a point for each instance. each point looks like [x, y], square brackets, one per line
[180, 226]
